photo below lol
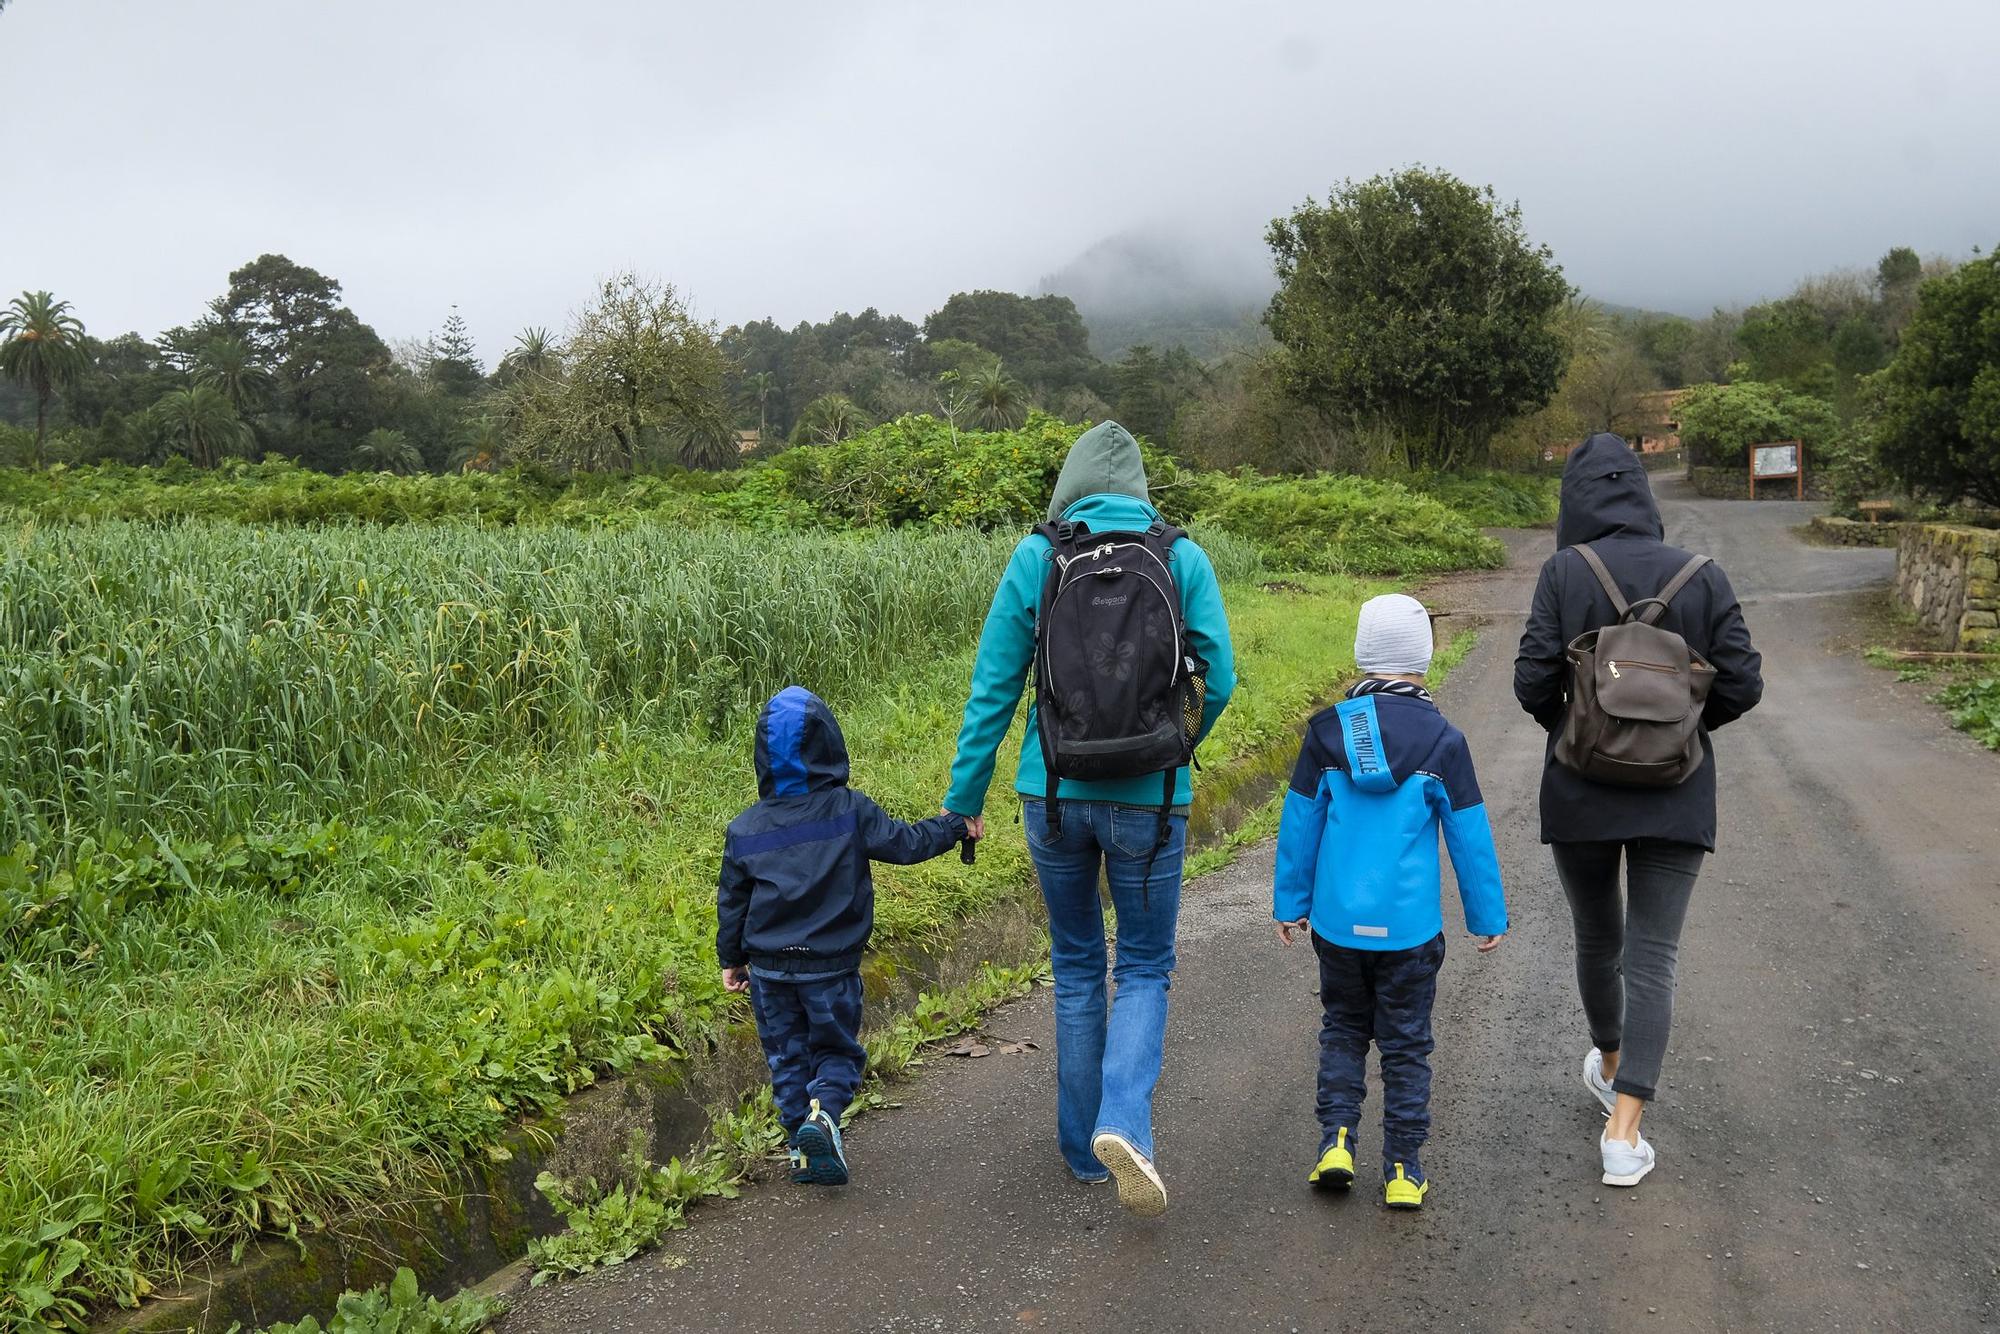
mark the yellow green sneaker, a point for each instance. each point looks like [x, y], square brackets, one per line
[1335, 1169]
[1403, 1191]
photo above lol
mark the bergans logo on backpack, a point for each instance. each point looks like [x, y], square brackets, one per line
[1635, 693]
[1118, 688]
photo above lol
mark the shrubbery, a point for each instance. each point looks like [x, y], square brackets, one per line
[1359, 525]
[915, 471]
[277, 492]
[1719, 422]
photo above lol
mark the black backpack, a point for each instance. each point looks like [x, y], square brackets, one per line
[1118, 687]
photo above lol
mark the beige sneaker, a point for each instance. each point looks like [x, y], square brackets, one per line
[1139, 1186]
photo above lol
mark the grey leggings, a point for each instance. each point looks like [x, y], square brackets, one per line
[1627, 945]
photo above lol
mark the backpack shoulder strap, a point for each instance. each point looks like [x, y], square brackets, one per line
[1596, 563]
[1674, 586]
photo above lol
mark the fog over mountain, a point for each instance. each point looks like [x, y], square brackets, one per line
[1156, 285]
[792, 160]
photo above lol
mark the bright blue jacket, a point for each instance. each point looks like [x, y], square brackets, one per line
[1378, 776]
[1007, 651]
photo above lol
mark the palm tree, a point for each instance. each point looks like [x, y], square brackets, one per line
[479, 446]
[228, 366]
[758, 388]
[998, 401]
[533, 353]
[709, 446]
[389, 451]
[43, 351]
[830, 418]
[201, 423]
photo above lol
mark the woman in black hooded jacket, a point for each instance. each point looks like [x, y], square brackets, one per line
[1626, 952]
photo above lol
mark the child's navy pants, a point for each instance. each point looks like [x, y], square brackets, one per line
[808, 1030]
[1382, 996]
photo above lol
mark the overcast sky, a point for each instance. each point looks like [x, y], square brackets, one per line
[794, 159]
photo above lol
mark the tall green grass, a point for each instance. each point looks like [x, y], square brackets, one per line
[203, 677]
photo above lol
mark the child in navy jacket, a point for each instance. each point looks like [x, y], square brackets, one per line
[1378, 777]
[794, 910]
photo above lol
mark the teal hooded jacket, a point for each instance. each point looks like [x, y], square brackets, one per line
[1007, 649]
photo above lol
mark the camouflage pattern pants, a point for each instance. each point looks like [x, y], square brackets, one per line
[1383, 996]
[808, 1030]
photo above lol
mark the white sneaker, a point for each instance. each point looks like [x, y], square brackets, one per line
[1139, 1186]
[1593, 1079]
[1623, 1164]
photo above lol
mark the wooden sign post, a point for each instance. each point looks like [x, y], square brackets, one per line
[1777, 461]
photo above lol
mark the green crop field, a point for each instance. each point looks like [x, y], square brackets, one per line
[333, 851]
[349, 819]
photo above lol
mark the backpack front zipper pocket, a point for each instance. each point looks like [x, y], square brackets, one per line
[1643, 666]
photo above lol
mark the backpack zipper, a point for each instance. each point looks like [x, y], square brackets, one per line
[1643, 666]
[1097, 554]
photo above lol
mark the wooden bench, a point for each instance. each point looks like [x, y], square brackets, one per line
[1875, 509]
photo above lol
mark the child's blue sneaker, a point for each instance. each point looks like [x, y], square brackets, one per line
[818, 1151]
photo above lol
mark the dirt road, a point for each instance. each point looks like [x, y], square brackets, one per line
[1827, 1142]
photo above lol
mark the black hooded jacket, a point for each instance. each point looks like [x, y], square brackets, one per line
[1608, 503]
[796, 897]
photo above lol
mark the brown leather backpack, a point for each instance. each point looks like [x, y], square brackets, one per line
[1635, 693]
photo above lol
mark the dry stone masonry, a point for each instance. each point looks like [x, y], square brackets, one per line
[1949, 575]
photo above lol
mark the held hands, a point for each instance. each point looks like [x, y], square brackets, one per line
[1285, 929]
[736, 979]
[975, 825]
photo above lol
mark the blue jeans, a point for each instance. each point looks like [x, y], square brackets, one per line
[1106, 1069]
[808, 1030]
[1384, 996]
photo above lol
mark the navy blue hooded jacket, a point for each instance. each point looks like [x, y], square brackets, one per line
[1607, 502]
[796, 898]
[1379, 776]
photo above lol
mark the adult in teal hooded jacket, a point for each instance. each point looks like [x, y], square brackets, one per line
[1108, 1056]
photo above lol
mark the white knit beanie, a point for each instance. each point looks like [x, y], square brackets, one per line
[1393, 636]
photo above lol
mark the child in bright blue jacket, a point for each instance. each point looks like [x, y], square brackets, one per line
[1379, 776]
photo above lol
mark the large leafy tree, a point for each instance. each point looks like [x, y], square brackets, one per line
[43, 351]
[199, 422]
[1042, 338]
[1937, 404]
[641, 382]
[1418, 302]
[333, 376]
[1719, 422]
[125, 376]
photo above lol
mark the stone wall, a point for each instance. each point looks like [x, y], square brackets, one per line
[1950, 576]
[1734, 484]
[1850, 533]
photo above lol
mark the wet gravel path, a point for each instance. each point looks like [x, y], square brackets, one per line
[1827, 1153]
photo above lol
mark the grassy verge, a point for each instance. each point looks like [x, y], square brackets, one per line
[1967, 690]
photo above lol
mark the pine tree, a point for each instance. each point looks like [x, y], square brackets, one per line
[454, 364]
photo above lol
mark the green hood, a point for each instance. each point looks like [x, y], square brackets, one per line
[1103, 461]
